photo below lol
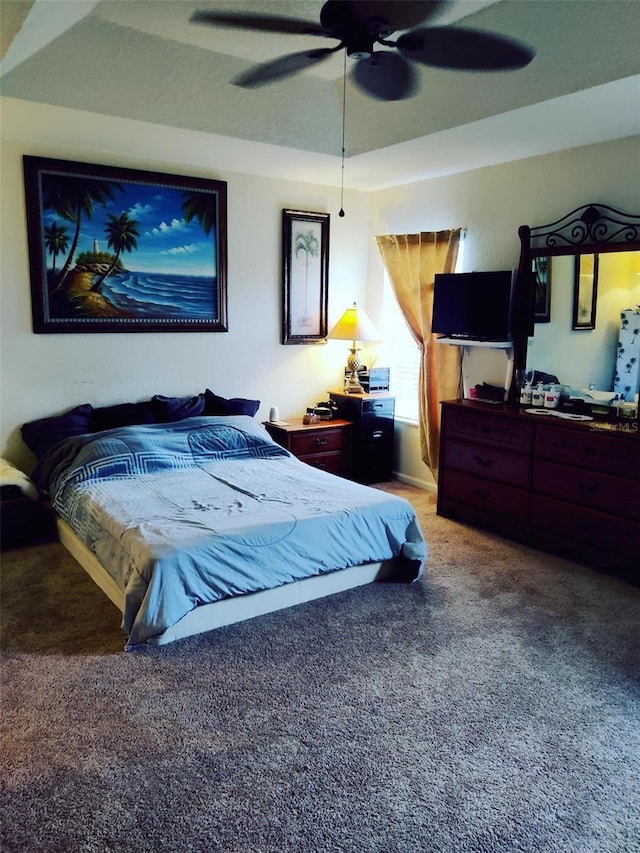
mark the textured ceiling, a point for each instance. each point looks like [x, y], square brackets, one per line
[144, 60]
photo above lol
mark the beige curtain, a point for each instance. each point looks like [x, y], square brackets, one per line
[412, 261]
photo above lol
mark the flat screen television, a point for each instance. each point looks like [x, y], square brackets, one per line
[473, 305]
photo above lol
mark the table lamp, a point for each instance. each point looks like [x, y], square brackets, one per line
[354, 326]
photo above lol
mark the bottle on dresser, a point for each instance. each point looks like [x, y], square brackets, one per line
[537, 397]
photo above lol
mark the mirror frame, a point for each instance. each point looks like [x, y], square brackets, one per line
[590, 229]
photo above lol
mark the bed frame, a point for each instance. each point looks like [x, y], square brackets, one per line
[228, 611]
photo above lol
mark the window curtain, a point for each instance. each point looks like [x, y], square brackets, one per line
[412, 261]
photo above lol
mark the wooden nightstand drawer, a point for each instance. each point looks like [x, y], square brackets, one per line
[493, 497]
[510, 468]
[321, 441]
[323, 445]
[333, 462]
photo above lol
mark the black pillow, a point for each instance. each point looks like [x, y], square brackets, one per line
[42, 434]
[168, 409]
[215, 405]
[124, 414]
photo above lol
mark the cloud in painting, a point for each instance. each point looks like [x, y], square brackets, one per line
[163, 229]
[182, 250]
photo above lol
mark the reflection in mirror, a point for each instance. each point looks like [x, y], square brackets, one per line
[541, 269]
[585, 291]
[580, 358]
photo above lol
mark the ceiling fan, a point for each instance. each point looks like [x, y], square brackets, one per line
[360, 25]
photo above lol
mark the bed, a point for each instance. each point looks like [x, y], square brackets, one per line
[204, 520]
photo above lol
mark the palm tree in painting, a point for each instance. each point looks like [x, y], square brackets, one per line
[56, 241]
[122, 233]
[306, 244]
[203, 207]
[73, 199]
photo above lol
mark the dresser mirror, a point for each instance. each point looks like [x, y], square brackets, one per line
[579, 280]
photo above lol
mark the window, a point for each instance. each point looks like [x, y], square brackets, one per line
[401, 353]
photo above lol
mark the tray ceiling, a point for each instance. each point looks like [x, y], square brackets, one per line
[145, 60]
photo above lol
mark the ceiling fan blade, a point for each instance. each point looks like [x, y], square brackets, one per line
[464, 49]
[386, 76]
[401, 14]
[263, 23]
[284, 66]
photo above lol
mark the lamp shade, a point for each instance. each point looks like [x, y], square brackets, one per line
[354, 325]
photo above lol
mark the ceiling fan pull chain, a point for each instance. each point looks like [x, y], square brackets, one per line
[344, 113]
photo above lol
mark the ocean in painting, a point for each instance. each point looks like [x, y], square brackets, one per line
[162, 294]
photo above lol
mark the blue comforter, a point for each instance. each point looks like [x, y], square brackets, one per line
[191, 512]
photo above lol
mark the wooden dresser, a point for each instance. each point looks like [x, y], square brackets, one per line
[568, 486]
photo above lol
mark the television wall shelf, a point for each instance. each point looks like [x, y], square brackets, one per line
[467, 342]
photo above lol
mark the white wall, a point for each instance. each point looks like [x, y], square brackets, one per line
[491, 204]
[47, 374]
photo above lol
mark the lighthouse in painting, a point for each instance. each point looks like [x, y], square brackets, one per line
[96, 247]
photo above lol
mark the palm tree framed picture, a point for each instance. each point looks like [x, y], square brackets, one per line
[305, 253]
[123, 250]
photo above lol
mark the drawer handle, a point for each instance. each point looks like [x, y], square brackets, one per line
[320, 441]
[481, 493]
[581, 524]
[377, 434]
[587, 489]
[482, 462]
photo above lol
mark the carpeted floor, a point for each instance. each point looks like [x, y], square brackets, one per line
[493, 706]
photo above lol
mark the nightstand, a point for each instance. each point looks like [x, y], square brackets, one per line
[372, 416]
[324, 444]
[23, 521]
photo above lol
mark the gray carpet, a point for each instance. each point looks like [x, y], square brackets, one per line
[493, 706]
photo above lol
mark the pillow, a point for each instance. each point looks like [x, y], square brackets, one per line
[169, 409]
[42, 434]
[215, 405]
[124, 414]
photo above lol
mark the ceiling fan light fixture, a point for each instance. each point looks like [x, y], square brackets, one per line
[360, 47]
[385, 76]
[359, 25]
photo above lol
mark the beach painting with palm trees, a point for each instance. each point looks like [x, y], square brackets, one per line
[115, 249]
[305, 251]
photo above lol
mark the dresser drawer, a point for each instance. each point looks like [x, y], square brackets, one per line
[511, 468]
[506, 433]
[597, 452]
[614, 495]
[586, 526]
[494, 497]
[334, 462]
[320, 441]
